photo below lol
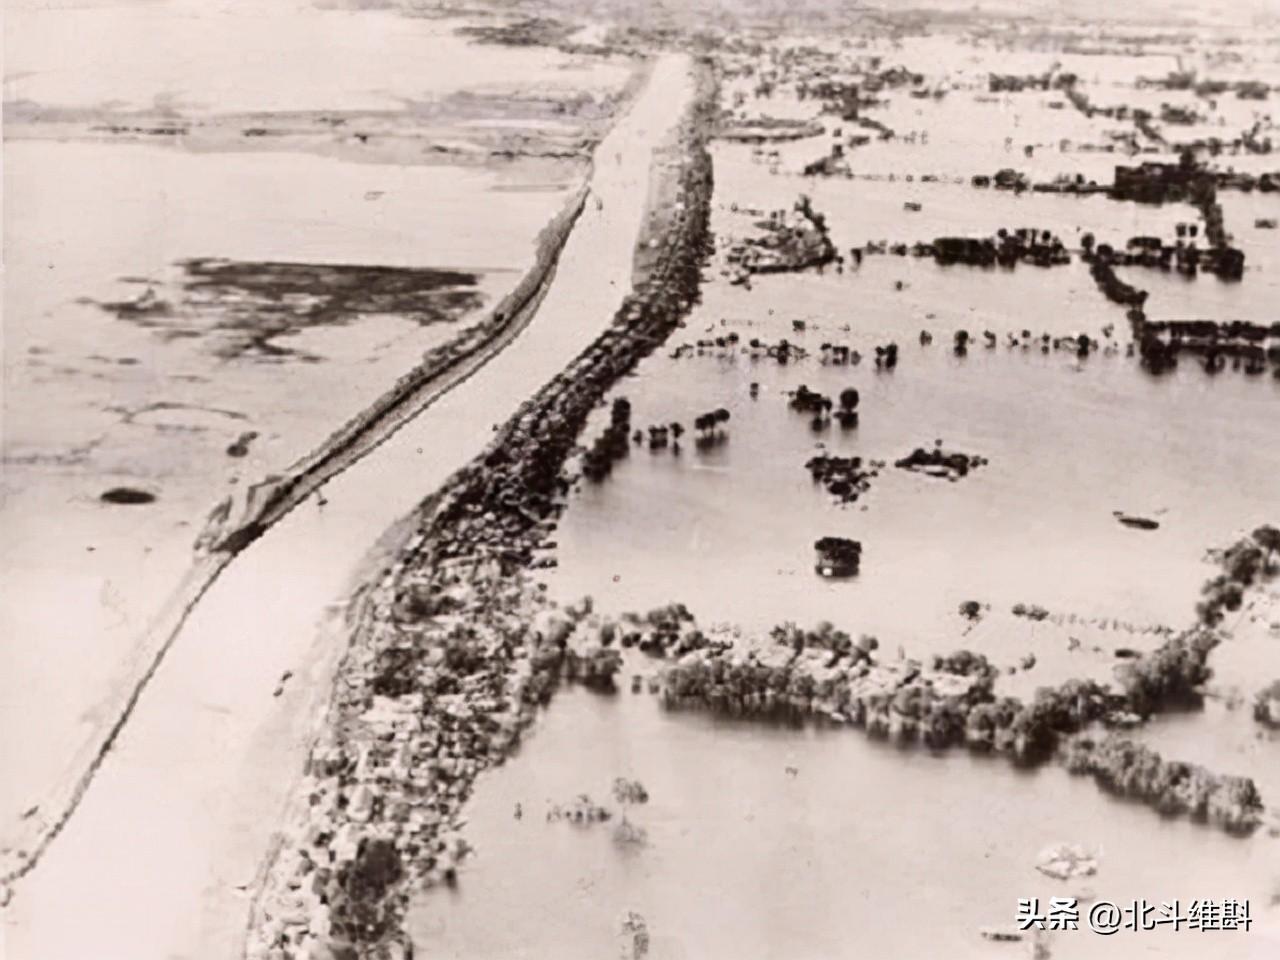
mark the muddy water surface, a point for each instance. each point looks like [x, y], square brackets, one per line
[767, 841]
[776, 842]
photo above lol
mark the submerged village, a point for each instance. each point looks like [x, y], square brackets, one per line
[857, 516]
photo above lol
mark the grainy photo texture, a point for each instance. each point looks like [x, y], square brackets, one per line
[641, 479]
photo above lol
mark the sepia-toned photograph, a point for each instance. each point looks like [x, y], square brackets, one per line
[640, 480]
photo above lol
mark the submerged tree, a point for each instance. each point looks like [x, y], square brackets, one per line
[629, 791]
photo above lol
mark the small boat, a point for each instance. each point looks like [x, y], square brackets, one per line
[1137, 523]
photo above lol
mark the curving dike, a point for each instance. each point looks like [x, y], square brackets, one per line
[454, 647]
[164, 853]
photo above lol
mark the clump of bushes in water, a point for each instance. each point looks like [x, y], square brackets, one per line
[825, 637]
[629, 791]
[783, 352]
[582, 809]
[1172, 787]
[788, 241]
[660, 434]
[596, 668]
[1030, 731]
[845, 478]
[1246, 562]
[709, 426]
[1031, 611]
[951, 703]
[965, 663]
[805, 400]
[1112, 287]
[939, 463]
[663, 631]
[611, 445]
[838, 556]
[840, 355]
[1170, 675]
[887, 356]
[847, 415]
[1266, 706]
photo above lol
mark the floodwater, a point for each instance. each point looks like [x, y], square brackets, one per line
[767, 841]
[801, 842]
[729, 530]
[242, 55]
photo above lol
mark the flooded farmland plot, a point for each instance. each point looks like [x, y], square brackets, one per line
[521, 480]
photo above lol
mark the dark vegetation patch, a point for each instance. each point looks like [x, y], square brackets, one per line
[940, 463]
[837, 556]
[258, 302]
[1248, 561]
[528, 32]
[1266, 706]
[845, 478]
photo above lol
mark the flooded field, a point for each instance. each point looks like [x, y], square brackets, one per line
[776, 840]
[734, 525]
[801, 843]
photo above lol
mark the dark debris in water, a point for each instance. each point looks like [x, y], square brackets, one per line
[940, 463]
[127, 495]
[1136, 522]
[240, 448]
[526, 32]
[258, 302]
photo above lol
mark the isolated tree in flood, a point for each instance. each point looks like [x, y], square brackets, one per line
[1267, 537]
